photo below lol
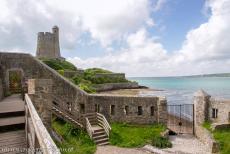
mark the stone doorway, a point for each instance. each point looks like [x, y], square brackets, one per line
[15, 81]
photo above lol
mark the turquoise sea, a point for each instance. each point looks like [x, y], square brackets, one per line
[180, 90]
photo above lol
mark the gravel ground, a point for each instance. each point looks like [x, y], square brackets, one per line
[117, 150]
[187, 144]
[182, 144]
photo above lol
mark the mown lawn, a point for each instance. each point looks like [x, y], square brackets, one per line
[126, 135]
[76, 140]
[223, 137]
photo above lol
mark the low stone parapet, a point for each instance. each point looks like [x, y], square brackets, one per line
[207, 138]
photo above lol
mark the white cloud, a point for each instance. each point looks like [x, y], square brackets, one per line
[205, 50]
[105, 20]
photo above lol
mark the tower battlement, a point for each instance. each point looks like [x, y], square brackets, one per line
[48, 44]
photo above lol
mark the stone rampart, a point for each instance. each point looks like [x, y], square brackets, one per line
[75, 101]
[223, 113]
[1, 89]
[141, 110]
[114, 86]
[201, 114]
[206, 137]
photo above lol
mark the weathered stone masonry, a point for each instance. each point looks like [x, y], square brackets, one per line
[140, 109]
[210, 109]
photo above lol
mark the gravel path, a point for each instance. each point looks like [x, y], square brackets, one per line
[182, 144]
[187, 144]
[117, 150]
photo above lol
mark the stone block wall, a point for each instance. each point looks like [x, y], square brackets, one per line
[125, 109]
[206, 137]
[223, 107]
[202, 106]
[1, 89]
[40, 91]
[67, 95]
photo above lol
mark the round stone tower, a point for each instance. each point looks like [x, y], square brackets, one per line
[48, 44]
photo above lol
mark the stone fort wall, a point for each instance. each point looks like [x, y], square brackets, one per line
[79, 101]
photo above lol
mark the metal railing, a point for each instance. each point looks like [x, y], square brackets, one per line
[37, 137]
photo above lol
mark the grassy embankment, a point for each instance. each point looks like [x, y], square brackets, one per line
[222, 136]
[85, 81]
[127, 135]
[76, 141]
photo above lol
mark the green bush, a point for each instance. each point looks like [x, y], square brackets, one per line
[207, 125]
[161, 142]
[57, 64]
[61, 72]
[96, 70]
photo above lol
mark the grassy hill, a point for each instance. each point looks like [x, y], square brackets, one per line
[85, 81]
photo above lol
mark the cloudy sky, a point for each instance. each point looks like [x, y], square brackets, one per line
[138, 37]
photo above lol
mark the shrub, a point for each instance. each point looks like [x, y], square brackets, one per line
[161, 142]
[61, 72]
[59, 64]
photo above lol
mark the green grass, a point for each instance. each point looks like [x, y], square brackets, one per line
[207, 125]
[126, 135]
[76, 140]
[222, 136]
[86, 81]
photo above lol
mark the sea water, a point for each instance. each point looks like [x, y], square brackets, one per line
[180, 90]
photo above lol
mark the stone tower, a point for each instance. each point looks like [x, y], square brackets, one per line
[48, 44]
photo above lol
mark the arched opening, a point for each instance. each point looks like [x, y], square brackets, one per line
[15, 77]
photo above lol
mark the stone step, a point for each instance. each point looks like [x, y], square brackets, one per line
[99, 130]
[99, 141]
[12, 120]
[100, 137]
[98, 134]
[102, 144]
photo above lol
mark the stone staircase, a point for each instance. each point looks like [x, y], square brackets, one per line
[12, 111]
[98, 128]
[12, 125]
